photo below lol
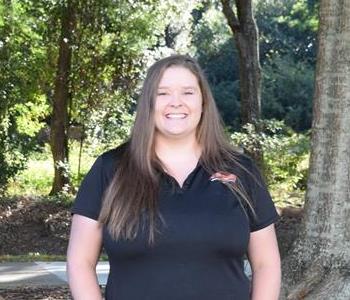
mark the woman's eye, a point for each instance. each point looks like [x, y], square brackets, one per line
[161, 94]
[189, 93]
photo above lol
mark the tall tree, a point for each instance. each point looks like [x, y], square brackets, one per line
[59, 121]
[318, 265]
[245, 31]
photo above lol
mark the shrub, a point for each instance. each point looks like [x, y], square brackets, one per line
[285, 157]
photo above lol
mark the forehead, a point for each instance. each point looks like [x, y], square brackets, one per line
[178, 76]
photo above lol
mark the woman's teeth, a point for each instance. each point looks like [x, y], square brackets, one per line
[176, 116]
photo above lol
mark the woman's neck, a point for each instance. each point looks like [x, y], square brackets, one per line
[178, 157]
[177, 149]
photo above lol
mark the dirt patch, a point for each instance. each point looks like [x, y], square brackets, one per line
[26, 293]
[29, 293]
[30, 226]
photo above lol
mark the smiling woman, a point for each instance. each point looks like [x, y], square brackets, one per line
[176, 207]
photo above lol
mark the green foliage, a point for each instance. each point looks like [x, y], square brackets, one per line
[107, 61]
[36, 179]
[29, 115]
[110, 48]
[226, 94]
[288, 54]
[288, 27]
[217, 54]
[285, 159]
[11, 159]
[210, 31]
[113, 44]
[287, 30]
[287, 91]
[303, 15]
[21, 105]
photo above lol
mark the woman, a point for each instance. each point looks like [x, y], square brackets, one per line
[176, 207]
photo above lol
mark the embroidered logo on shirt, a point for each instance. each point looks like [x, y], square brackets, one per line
[224, 177]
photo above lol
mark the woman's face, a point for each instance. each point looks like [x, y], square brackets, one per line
[178, 104]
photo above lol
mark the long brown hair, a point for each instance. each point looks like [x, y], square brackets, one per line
[133, 192]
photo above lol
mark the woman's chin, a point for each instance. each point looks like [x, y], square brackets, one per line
[176, 134]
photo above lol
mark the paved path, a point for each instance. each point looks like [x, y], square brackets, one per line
[41, 274]
[48, 274]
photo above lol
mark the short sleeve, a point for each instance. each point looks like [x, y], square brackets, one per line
[265, 211]
[89, 197]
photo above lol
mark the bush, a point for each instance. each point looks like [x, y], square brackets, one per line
[12, 159]
[287, 91]
[285, 157]
[36, 179]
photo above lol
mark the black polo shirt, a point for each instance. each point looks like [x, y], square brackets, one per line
[199, 252]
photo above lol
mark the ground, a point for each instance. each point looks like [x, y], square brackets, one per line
[35, 294]
[29, 226]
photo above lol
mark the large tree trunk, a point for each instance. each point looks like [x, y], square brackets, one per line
[318, 267]
[59, 122]
[245, 32]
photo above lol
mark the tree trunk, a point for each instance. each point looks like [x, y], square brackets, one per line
[318, 267]
[245, 32]
[59, 122]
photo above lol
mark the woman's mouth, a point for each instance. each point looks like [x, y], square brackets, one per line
[176, 116]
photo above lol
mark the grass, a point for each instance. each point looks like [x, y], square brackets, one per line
[32, 257]
[36, 179]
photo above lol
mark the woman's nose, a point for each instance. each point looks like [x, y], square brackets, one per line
[176, 100]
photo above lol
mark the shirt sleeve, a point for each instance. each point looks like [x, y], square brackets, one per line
[264, 208]
[89, 197]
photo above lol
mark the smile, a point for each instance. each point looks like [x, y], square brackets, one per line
[176, 116]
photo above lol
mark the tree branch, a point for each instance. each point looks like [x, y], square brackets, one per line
[230, 16]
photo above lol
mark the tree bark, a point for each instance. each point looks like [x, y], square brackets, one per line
[318, 267]
[59, 122]
[245, 32]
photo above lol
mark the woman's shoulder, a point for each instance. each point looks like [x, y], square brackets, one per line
[110, 158]
[245, 168]
[241, 161]
[113, 154]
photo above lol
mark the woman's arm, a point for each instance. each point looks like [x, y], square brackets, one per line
[264, 258]
[83, 252]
